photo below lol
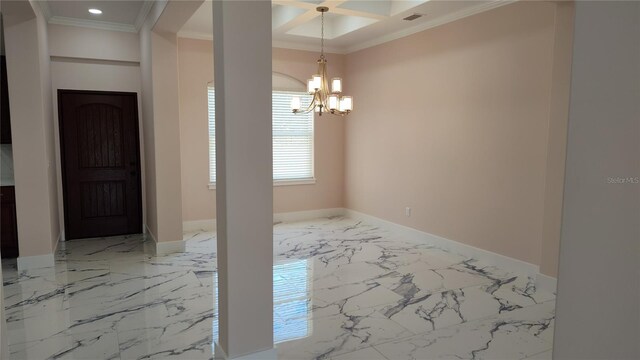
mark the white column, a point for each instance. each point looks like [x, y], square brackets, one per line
[598, 306]
[244, 189]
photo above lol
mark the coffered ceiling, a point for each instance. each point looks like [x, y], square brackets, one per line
[350, 25]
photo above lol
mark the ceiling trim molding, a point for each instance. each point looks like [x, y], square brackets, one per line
[430, 24]
[306, 47]
[142, 14]
[100, 25]
[194, 35]
[275, 43]
[45, 9]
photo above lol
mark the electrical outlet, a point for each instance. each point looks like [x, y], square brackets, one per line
[407, 211]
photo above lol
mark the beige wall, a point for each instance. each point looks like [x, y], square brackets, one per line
[87, 43]
[159, 82]
[557, 138]
[195, 61]
[32, 128]
[454, 123]
[148, 143]
[167, 136]
[598, 304]
[76, 64]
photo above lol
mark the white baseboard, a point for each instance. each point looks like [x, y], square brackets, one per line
[546, 282]
[487, 257]
[293, 216]
[199, 225]
[271, 354]
[484, 256]
[35, 262]
[165, 247]
[307, 214]
[58, 241]
[170, 247]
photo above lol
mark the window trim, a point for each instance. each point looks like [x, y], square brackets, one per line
[290, 182]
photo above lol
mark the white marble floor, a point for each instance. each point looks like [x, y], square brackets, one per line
[342, 290]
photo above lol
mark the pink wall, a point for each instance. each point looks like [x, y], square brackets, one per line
[454, 123]
[32, 128]
[195, 59]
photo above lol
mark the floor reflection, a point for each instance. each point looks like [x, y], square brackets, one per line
[342, 289]
[291, 301]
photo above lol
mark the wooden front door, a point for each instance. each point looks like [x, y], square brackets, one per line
[100, 163]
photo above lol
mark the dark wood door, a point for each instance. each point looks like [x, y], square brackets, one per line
[5, 114]
[101, 163]
[8, 224]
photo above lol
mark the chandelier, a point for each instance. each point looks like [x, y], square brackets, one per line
[318, 86]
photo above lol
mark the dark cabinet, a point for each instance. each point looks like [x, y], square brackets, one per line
[5, 117]
[8, 224]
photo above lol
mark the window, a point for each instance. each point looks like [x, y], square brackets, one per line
[211, 96]
[292, 138]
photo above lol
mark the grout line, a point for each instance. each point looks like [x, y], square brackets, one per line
[379, 352]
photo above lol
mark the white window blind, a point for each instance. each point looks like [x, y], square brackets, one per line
[292, 137]
[211, 95]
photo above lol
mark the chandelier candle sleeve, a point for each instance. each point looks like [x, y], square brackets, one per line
[333, 102]
[295, 103]
[336, 85]
[346, 103]
[324, 100]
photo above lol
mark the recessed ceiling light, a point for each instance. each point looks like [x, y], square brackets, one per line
[95, 11]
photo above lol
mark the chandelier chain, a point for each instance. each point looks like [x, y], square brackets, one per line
[322, 35]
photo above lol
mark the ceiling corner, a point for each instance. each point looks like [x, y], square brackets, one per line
[45, 9]
[142, 14]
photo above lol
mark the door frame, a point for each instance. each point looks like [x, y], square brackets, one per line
[62, 153]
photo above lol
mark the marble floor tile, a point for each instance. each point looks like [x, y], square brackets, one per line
[91, 345]
[338, 334]
[343, 289]
[514, 335]
[363, 354]
[545, 355]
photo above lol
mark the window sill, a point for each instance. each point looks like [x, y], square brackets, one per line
[294, 182]
[212, 186]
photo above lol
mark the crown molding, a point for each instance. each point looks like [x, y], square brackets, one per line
[195, 35]
[430, 24]
[275, 43]
[94, 24]
[306, 47]
[45, 9]
[142, 14]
